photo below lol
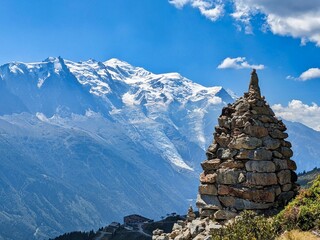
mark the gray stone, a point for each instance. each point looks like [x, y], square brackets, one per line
[262, 154]
[276, 133]
[261, 179]
[285, 197]
[245, 142]
[232, 164]
[208, 189]
[245, 154]
[286, 152]
[256, 131]
[241, 204]
[276, 154]
[284, 177]
[226, 153]
[223, 139]
[224, 121]
[287, 187]
[208, 178]
[208, 202]
[224, 215]
[292, 165]
[260, 166]
[281, 164]
[211, 164]
[228, 176]
[271, 143]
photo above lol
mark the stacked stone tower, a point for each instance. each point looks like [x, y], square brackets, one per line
[248, 164]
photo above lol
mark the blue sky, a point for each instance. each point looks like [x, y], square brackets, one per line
[192, 37]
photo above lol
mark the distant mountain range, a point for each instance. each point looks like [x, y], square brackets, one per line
[83, 144]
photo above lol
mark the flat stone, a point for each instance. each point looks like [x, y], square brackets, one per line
[286, 144]
[261, 179]
[286, 152]
[287, 187]
[206, 212]
[211, 164]
[257, 195]
[208, 202]
[224, 215]
[245, 154]
[245, 142]
[223, 139]
[262, 110]
[271, 143]
[228, 176]
[285, 197]
[292, 165]
[284, 177]
[224, 121]
[260, 166]
[208, 178]
[276, 154]
[276, 133]
[262, 154]
[241, 204]
[280, 164]
[266, 119]
[226, 153]
[208, 189]
[232, 164]
[256, 131]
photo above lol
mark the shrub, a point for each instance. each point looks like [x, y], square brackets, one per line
[303, 212]
[248, 226]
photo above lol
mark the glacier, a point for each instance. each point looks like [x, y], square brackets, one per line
[86, 143]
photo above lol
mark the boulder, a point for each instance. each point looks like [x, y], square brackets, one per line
[286, 152]
[208, 178]
[284, 177]
[241, 204]
[208, 189]
[271, 143]
[228, 176]
[208, 202]
[262, 154]
[261, 179]
[260, 166]
[245, 142]
[256, 131]
[211, 164]
[276, 133]
[224, 215]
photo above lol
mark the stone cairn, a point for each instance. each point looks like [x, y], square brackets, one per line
[248, 165]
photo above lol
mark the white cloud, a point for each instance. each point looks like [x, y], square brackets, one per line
[311, 73]
[298, 19]
[295, 18]
[299, 112]
[211, 9]
[238, 63]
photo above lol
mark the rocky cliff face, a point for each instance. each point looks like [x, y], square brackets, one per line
[248, 164]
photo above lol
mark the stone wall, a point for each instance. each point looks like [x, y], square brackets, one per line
[248, 164]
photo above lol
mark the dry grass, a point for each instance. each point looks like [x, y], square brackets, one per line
[298, 235]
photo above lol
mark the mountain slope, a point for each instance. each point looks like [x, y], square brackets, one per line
[83, 144]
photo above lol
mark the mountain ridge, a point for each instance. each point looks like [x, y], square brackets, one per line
[96, 132]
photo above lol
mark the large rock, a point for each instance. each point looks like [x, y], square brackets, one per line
[260, 166]
[208, 189]
[229, 176]
[241, 204]
[261, 179]
[208, 202]
[284, 177]
[262, 154]
[211, 164]
[245, 142]
[271, 143]
[208, 178]
[256, 131]
[224, 215]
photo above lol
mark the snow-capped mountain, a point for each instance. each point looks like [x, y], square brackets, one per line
[83, 144]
